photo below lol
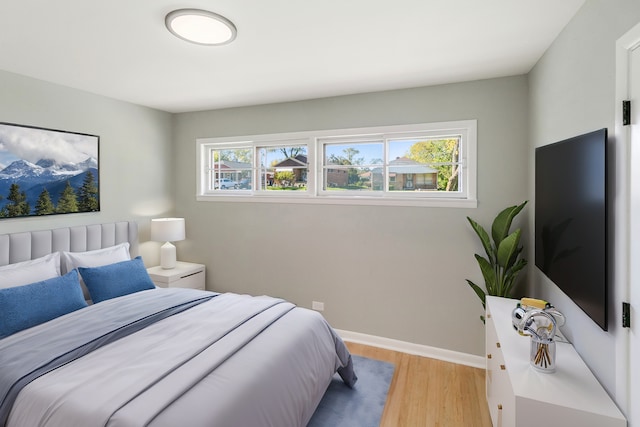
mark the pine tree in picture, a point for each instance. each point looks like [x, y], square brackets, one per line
[68, 201]
[88, 195]
[44, 205]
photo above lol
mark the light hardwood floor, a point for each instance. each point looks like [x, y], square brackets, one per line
[428, 392]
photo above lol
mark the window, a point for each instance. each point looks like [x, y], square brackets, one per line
[347, 164]
[283, 168]
[413, 165]
[228, 168]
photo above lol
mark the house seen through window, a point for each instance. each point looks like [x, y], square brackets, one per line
[415, 164]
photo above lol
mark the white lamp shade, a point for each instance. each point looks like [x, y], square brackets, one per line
[167, 229]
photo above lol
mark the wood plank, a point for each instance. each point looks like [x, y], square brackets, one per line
[427, 392]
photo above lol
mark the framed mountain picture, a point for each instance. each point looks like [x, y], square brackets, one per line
[47, 171]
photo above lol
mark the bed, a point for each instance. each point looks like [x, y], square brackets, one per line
[98, 344]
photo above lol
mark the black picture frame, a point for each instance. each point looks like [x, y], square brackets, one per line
[47, 171]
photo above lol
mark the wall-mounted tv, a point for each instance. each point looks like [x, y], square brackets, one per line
[571, 219]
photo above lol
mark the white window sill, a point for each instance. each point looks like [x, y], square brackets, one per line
[350, 200]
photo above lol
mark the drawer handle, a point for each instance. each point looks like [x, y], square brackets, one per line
[488, 316]
[498, 344]
[489, 356]
[191, 274]
[499, 406]
[502, 367]
[499, 415]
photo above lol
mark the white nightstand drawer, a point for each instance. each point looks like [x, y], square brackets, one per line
[193, 280]
[184, 275]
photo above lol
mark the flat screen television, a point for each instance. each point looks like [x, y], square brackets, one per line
[571, 219]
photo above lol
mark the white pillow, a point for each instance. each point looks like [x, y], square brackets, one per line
[27, 272]
[96, 258]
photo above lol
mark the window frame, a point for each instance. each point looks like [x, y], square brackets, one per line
[315, 140]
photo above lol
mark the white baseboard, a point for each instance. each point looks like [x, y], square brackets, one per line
[411, 348]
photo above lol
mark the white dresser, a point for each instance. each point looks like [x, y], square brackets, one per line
[520, 396]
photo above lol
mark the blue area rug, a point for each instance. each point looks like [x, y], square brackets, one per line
[361, 406]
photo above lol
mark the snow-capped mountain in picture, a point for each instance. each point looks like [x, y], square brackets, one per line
[45, 172]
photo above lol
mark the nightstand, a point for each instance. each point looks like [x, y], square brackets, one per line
[184, 275]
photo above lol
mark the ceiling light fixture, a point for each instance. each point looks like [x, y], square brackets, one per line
[200, 27]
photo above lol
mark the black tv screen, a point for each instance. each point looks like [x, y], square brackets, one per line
[571, 219]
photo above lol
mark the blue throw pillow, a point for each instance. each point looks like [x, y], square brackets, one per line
[116, 280]
[29, 305]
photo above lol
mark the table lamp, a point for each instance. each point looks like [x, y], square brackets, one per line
[167, 230]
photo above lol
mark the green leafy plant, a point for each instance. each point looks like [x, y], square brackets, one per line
[503, 261]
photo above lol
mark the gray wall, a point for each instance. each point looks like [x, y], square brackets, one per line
[135, 152]
[572, 91]
[396, 272]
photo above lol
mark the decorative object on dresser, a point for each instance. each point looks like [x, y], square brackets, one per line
[503, 263]
[167, 230]
[539, 320]
[520, 396]
[183, 275]
[47, 171]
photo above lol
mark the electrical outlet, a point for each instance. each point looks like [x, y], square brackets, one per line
[318, 306]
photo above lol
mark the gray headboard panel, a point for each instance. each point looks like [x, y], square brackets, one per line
[28, 245]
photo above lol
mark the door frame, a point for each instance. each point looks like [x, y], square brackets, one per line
[625, 210]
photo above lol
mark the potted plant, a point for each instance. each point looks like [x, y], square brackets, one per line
[503, 260]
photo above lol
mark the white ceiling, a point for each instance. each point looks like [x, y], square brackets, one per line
[285, 50]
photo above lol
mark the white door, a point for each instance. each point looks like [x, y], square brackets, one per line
[633, 137]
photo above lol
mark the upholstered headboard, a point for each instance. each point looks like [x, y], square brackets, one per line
[28, 245]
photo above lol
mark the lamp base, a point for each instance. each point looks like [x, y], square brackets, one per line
[168, 256]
